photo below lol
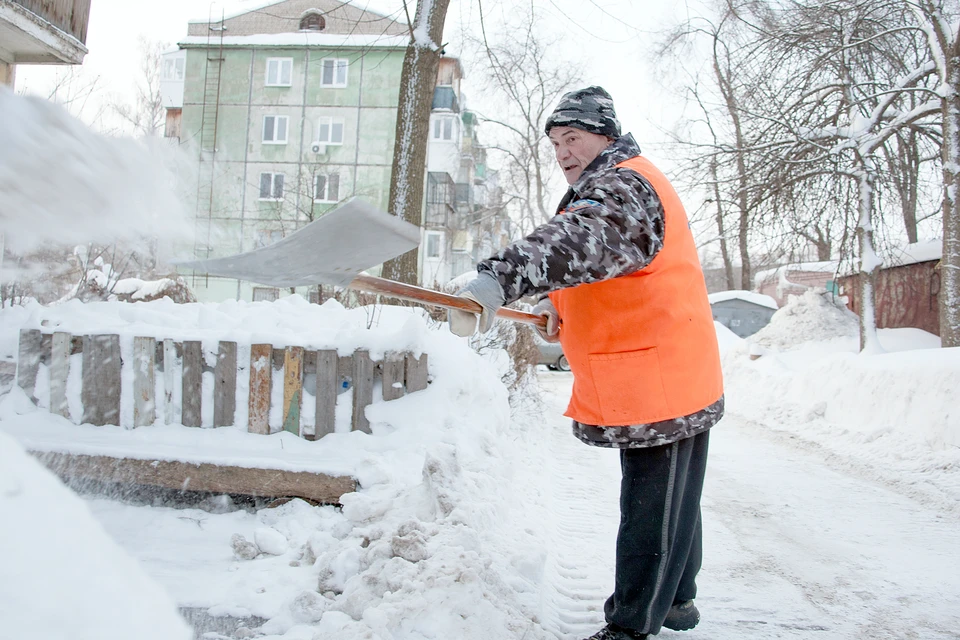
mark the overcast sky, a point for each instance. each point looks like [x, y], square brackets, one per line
[607, 37]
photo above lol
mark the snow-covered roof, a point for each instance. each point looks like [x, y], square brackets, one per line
[827, 266]
[749, 296]
[305, 39]
[924, 251]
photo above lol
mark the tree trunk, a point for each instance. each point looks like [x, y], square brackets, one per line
[417, 82]
[910, 173]
[743, 180]
[724, 251]
[869, 261]
[950, 261]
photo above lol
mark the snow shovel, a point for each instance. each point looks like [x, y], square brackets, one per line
[334, 249]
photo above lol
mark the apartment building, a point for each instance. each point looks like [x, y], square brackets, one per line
[287, 110]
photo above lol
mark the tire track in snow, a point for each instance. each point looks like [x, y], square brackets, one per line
[583, 500]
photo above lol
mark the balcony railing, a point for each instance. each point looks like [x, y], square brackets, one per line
[70, 16]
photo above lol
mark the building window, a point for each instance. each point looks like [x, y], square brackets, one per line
[433, 244]
[265, 294]
[275, 129]
[279, 72]
[326, 187]
[173, 69]
[330, 131]
[333, 72]
[271, 186]
[444, 128]
[313, 21]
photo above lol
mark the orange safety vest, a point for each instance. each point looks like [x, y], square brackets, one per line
[643, 347]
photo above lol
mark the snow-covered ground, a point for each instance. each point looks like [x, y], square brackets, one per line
[830, 511]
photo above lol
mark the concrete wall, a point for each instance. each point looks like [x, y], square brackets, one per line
[7, 74]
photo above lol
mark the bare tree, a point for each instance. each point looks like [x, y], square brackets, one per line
[417, 83]
[146, 114]
[525, 74]
[940, 28]
[723, 91]
[847, 103]
[77, 90]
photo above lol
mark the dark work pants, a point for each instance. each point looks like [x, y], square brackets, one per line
[659, 545]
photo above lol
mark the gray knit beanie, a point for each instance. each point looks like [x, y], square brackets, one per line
[589, 109]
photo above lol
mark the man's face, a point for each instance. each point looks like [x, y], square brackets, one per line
[575, 149]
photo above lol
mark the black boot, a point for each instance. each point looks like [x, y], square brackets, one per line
[682, 617]
[613, 632]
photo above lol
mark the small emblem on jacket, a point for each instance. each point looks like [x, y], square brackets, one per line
[577, 205]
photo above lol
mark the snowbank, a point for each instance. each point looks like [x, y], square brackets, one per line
[62, 576]
[436, 543]
[898, 413]
[424, 549]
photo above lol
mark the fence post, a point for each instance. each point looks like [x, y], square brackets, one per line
[101, 379]
[192, 383]
[261, 386]
[169, 379]
[144, 381]
[59, 370]
[393, 365]
[108, 348]
[28, 364]
[327, 382]
[362, 389]
[88, 389]
[292, 388]
[416, 372]
[225, 385]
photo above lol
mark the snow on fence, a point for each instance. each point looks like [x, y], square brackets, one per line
[102, 368]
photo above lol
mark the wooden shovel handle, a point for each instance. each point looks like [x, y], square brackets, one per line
[373, 284]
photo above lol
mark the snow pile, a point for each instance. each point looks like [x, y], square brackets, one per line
[813, 316]
[137, 290]
[62, 576]
[895, 413]
[726, 339]
[426, 545]
[62, 183]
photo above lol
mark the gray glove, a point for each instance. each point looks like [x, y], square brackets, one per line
[552, 331]
[484, 290]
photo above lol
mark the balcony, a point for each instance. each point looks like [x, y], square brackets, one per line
[445, 98]
[440, 194]
[43, 31]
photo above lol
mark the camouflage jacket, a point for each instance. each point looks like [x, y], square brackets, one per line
[610, 223]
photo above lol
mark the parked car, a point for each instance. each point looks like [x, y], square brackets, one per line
[551, 354]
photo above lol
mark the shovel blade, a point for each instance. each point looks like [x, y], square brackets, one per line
[332, 249]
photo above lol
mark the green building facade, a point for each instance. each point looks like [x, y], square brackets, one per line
[285, 110]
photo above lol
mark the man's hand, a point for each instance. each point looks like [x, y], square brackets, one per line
[484, 290]
[552, 331]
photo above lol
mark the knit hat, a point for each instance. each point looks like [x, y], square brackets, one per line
[589, 109]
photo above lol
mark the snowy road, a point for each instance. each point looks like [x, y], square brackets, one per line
[794, 547]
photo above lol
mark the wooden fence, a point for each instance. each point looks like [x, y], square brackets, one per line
[102, 365]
